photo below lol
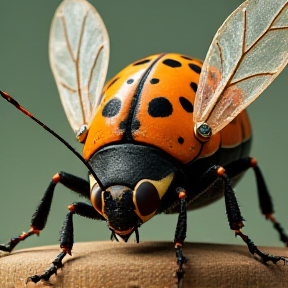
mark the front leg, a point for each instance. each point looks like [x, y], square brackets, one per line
[180, 233]
[39, 218]
[66, 244]
[67, 238]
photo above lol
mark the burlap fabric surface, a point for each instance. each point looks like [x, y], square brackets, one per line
[148, 264]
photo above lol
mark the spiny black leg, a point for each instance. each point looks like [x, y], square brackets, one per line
[266, 204]
[236, 168]
[74, 183]
[9, 246]
[67, 237]
[52, 269]
[85, 210]
[181, 259]
[236, 221]
[254, 250]
[66, 244]
[180, 233]
[40, 216]
[38, 220]
[283, 235]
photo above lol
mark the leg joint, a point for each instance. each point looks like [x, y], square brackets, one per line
[253, 162]
[56, 178]
[220, 171]
[72, 208]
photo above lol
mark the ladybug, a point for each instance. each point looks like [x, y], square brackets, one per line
[167, 134]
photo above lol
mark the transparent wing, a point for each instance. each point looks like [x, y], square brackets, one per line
[79, 56]
[249, 50]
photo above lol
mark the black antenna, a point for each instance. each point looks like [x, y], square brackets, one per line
[7, 97]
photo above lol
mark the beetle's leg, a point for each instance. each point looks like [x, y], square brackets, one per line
[235, 218]
[265, 201]
[67, 239]
[180, 233]
[40, 216]
[66, 244]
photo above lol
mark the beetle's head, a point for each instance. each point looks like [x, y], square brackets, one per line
[134, 179]
[119, 209]
[124, 208]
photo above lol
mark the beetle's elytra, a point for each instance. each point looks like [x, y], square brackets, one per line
[168, 133]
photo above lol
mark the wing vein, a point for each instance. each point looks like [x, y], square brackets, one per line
[244, 31]
[279, 28]
[68, 87]
[251, 76]
[67, 39]
[233, 72]
[92, 69]
[221, 54]
[266, 31]
[77, 36]
[77, 68]
[244, 54]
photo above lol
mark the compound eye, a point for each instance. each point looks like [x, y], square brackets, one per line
[147, 198]
[96, 198]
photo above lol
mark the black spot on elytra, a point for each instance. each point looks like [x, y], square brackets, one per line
[194, 86]
[154, 81]
[122, 125]
[187, 58]
[180, 140]
[186, 104]
[130, 81]
[160, 107]
[112, 82]
[112, 108]
[172, 63]
[135, 125]
[195, 68]
[141, 62]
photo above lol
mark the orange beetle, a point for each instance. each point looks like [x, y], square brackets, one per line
[166, 134]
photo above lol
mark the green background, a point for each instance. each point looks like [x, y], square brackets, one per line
[29, 156]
